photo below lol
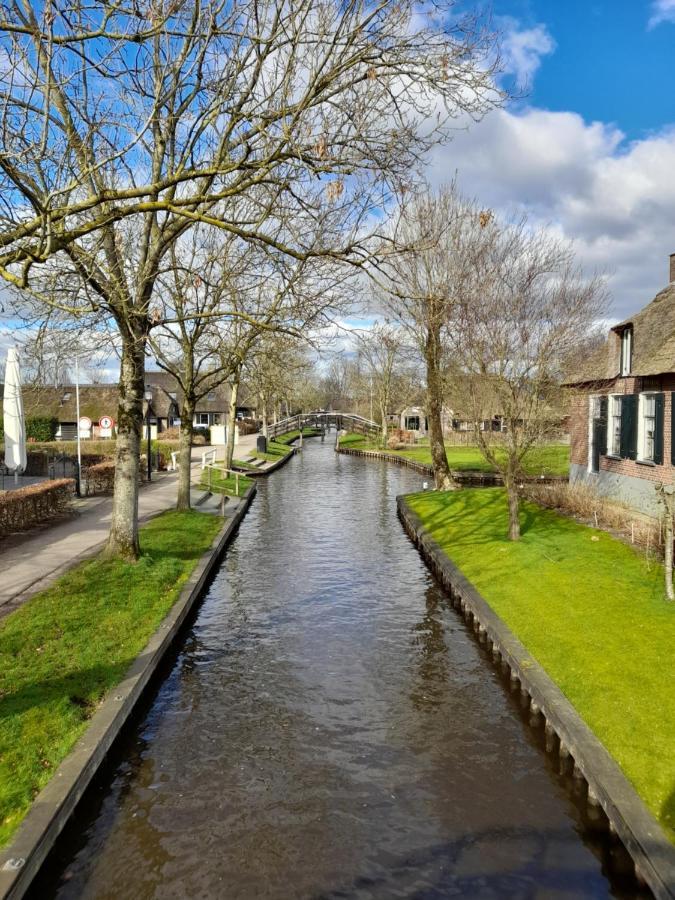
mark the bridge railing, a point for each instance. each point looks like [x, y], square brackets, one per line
[321, 419]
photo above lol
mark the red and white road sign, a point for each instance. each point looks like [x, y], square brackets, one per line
[106, 422]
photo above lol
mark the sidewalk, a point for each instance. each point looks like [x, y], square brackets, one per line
[30, 562]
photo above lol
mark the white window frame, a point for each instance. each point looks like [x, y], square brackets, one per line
[626, 350]
[642, 450]
[198, 418]
[614, 412]
[593, 405]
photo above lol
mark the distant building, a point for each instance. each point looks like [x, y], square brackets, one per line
[100, 401]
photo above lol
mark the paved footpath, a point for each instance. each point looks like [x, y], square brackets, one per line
[30, 562]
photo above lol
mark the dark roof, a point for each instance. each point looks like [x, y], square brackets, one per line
[653, 343]
[164, 384]
[96, 400]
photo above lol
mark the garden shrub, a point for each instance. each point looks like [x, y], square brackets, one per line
[35, 504]
[100, 478]
[41, 428]
[247, 426]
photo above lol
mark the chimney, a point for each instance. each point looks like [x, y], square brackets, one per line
[672, 267]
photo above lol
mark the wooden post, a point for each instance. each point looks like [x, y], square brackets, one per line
[236, 483]
[666, 494]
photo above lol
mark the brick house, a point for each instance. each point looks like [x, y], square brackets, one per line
[621, 423]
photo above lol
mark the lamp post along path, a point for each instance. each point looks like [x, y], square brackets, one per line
[77, 416]
[148, 400]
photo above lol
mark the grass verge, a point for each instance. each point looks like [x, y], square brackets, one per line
[552, 459]
[223, 484]
[590, 610]
[67, 646]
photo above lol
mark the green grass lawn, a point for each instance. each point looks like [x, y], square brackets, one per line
[223, 484]
[553, 459]
[590, 610]
[67, 646]
[280, 446]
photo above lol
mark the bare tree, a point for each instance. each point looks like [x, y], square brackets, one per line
[426, 274]
[168, 113]
[279, 361]
[383, 350]
[522, 315]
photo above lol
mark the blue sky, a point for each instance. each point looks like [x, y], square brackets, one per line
[608, 63]
[589, 149]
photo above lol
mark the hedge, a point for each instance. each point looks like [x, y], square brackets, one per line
[100, 478]
[41, 428]
[38, 428]
[29, 506]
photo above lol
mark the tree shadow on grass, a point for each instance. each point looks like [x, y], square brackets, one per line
[83, 688]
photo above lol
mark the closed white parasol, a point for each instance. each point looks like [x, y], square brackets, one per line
[12, 409]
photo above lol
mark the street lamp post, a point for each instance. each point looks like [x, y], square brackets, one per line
[78, 484]
[148, 399]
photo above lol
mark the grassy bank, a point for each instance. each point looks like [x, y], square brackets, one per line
[553, 459]
[590, 610]
[67, 646]
[224, 484]
[277, 447]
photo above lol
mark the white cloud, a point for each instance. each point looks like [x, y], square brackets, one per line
[615, 201]
[522, 49]
[661, 11]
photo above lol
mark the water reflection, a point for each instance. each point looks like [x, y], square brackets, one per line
[329, 729]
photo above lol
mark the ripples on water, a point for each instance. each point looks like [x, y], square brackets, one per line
[328, 729]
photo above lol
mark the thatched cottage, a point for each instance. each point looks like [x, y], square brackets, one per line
[621, 422]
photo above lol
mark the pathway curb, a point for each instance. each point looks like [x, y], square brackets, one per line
[21, 860]
[608, 788]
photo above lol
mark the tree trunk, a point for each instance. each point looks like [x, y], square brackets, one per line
[187, 414]
[443, 479]
[232, 421]
[514, 507]
[383, 413]
[123, 537]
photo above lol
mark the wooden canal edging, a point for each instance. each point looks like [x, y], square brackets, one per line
[609, 793]
[472, 478]
[21, 859]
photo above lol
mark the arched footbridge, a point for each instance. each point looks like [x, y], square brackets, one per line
[325, 419]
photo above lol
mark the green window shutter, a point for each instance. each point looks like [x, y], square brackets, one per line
[603, 426]
[659, 406]
[629, 407]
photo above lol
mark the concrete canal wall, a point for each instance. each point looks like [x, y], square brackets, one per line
[610, 796]
[22, 858]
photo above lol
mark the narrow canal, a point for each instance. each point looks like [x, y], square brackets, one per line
[329, 728]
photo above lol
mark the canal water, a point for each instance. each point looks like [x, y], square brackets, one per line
[329, 728]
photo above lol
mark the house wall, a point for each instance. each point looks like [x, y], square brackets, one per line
[626, 480]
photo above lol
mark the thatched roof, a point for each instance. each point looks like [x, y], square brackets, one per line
[96, 400]
[165, 391]
[653, 343]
